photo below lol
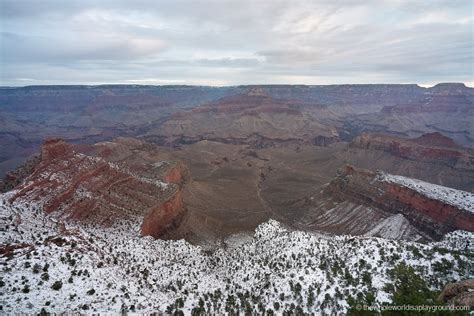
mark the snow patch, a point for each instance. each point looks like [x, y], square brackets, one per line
[458, 198]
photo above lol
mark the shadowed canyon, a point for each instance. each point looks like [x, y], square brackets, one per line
[237, 156]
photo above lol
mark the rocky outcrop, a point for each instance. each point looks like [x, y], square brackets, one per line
[8, 250]
[106, 184]
[430, 212]
[165, 218]
[177, 174]
[459, 293]
[325, 141]
[55, 148]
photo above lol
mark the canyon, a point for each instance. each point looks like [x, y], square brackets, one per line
[229, 158]
[264, 115]
[171, 198]
[208, 191]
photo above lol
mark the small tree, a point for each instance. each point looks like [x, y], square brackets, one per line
[45, 276]
[57, 285]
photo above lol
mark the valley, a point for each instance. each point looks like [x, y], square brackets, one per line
[251, 199]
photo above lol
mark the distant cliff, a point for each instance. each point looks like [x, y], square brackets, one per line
[430, 147]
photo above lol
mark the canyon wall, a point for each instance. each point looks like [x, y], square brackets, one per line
[430, 147]
[164, 218]
[116, 186]
[431, 215]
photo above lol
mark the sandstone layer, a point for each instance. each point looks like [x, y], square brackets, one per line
[433, 214]
[106, 184]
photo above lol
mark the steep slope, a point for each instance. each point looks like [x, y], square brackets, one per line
[357, 199]
[394, 227]
[111, 183]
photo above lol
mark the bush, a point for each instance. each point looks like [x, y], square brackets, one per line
[57, 285]
[26, 289]
[356, 304]
[45, 276]
[276, 306]
[410, 289]
[36, 268]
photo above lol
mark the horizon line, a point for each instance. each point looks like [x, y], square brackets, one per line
[426, 86]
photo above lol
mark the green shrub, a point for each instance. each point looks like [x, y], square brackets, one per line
[57, 285]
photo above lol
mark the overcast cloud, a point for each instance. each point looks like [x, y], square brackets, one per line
[236, 42]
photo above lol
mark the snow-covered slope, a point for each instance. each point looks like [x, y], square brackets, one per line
[394, 227]
[461, 199]
[49, 266]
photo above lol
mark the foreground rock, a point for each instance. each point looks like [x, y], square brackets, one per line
[459, 293]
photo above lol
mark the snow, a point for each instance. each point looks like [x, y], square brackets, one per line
[128, 272]
[461, 199]
[394, 227]
[156, 182]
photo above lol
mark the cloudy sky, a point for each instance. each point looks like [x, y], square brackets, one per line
[221, 42]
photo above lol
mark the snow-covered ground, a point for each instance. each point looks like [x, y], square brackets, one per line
[89, 269]
[458, 198]
[394, 227]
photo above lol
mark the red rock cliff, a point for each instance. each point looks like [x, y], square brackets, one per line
[449, 216]
[54, 148]
[165, 217]
[176, 174]
[432, 216]
[96, 189]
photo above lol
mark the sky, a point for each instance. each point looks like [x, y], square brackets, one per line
[219, 42]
